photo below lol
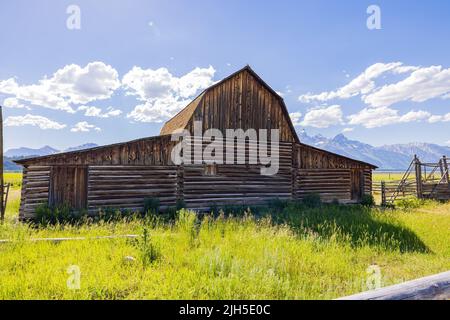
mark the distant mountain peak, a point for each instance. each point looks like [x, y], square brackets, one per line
[82, 147]
[341, 137]
[389, 157]
[29, 152]
[44, 151]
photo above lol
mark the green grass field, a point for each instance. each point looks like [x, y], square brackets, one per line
[13, 178]
[297, 253]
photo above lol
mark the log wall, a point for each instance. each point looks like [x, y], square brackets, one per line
[332, 176]
[130, 175]
[331, 184]
[126, 187]
[367, 181]
[35, 190]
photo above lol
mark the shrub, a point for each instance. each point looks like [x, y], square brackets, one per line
[109, 214]
[409, 203]
[214, 209]
[61, 214]
[368, 200]
[171, 213]
[277, 204]
[148, 250]
[151, 205]
[335, 202]
[312, 200]
[187, 223]
[180, 205]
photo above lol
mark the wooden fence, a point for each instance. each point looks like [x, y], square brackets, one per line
[421, 180]
[386, 189]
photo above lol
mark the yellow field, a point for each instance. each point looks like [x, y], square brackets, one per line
[13, 178]
[388, 176]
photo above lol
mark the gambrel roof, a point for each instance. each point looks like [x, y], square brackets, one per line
[185, 116]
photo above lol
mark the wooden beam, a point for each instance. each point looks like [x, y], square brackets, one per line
[418, 168]
[445, 164]
[56, 240]
[383, 193]
[435, 287]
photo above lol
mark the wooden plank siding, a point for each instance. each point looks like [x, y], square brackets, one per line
[147, 151]
[68, 186]
[242, 102]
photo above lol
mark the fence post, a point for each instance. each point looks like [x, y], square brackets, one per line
[444, 160]
[383, 194]
[418, 177]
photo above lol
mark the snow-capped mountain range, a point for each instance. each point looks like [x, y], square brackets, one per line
[387, 157]
[44, 151]
[18, 153]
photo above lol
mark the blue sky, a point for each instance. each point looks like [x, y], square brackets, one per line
[134, 63]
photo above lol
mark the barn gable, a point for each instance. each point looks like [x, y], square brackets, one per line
[241, 101]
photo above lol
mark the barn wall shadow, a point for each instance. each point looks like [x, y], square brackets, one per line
[355, 224]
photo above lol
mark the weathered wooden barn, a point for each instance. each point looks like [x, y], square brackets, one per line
[122, 175]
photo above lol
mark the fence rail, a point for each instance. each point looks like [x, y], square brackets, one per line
[435, 287]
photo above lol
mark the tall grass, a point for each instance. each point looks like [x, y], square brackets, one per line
[287, 251]
[295, 252]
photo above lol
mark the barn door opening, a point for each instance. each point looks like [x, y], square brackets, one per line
[68, 186]
[357, 184]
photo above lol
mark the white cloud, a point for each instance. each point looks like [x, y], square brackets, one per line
[378, 117]
[98, 112]
[69, 85]
[347, 130]
[439, 118]
[412, 116]
[362, 84]
[8, 86]
[84, 127]
[374, 117]
[423, 84]
[162, 94]
[323, 117]
[33, 120]
[295, 117]
[14, 103]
